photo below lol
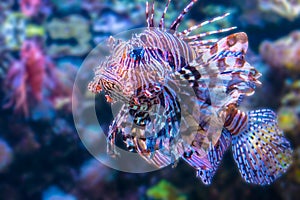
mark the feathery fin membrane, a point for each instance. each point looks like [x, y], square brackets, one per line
[261, 152]
[215, 156]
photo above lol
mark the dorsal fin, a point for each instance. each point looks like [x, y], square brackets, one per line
[178, 20]
[162, 19]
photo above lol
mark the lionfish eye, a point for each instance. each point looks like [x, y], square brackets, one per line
[137, 53]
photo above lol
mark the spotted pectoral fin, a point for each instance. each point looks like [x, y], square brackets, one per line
[235, 45]
[261, 152]
[238, 75]
[225, 71]
[229, 79]
[220, 75]
[215, 155]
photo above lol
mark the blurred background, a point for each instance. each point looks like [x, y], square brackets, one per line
[44, 42]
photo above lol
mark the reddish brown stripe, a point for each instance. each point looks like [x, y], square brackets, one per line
[214, 49]
[239, 62]
[222, 64]
[232, 125]
[231, 112]
[244, 120]
[231, 40]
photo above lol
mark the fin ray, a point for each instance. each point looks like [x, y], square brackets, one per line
[225, 71]
[215, 156]
[261, 152]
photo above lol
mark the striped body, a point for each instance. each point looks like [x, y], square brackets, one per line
[132, 72]
[235, 121]
[180, 95]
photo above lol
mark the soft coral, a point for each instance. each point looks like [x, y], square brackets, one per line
[25, 78]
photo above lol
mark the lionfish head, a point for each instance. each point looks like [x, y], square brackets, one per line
[118, 74]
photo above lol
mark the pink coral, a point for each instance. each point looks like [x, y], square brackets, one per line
[289, 9]
[18, 95]
[34, 79]
[25, 77]
[30, 7]
[285, 52]
[35, 63]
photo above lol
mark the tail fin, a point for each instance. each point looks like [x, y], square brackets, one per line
[261, 152]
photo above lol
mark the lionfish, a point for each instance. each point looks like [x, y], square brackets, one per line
[153, 74]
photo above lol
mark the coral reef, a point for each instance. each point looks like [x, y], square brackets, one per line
[30, 7]
[29, 77]
[13, 30]
[283, 53]
[165, 191]
[294, 174]
[67, 29]
[16, 29]
[289, 112]
[289, 9]
[263, 12]
[25, 77]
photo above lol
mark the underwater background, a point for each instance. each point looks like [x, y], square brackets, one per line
[43, 44]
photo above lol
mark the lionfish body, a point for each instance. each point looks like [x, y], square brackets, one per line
[154, 75]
